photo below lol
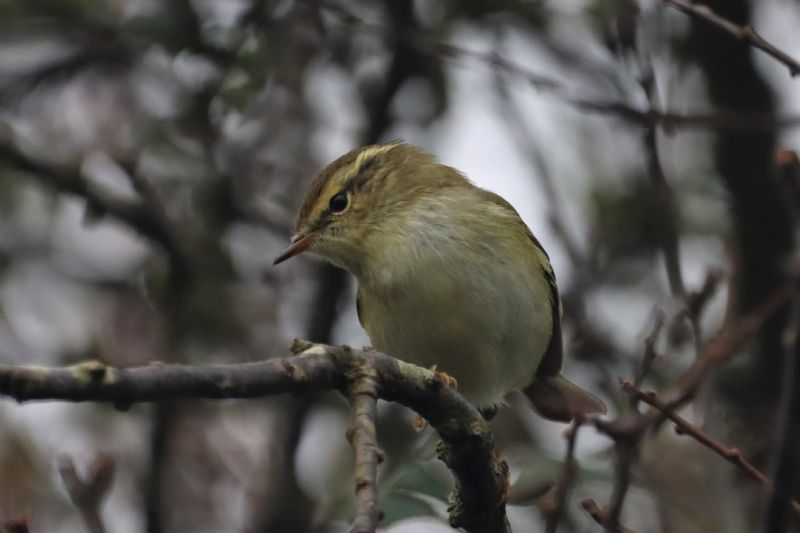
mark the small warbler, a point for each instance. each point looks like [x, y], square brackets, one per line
[448, 275]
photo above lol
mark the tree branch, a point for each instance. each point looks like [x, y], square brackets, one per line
[736, 120]
[467, 446]
[684, 427]
[628, 429]
[138, 217]
[601, 517]
[785, 468]
[362, 435]
[743, 33]
[87, 493]
[553, 509]
[669, 234]
[727, 342]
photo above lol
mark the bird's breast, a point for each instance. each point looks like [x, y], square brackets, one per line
[484, 318]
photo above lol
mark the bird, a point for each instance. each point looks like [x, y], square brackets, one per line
[449, 276]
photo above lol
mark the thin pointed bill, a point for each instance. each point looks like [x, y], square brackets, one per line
[299, 243]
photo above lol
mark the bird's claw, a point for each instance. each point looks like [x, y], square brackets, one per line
[444, 378]
[420, 424]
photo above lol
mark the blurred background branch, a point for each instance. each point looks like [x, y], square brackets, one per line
[745, 33]
[152, 155]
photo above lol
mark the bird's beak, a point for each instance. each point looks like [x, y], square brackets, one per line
[299, 243]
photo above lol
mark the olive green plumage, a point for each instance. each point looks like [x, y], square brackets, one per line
[448, 274]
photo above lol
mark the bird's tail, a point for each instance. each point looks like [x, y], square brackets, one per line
[557, 398]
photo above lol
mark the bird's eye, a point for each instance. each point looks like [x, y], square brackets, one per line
[338, 202]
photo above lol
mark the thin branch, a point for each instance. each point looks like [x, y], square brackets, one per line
[362, 435]
[728, 341]
[684, 427]
[628, 430]
[599, 516]
[625, 454]
[88, 492]
[553, 509]
[696, 302]
[743, 33]
[741, 121]
[670, 223]
[736, 120]
[467, 446]
[650, 353]
[719, 349]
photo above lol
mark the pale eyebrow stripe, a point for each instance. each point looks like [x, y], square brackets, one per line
[370, 153]
[365, 159]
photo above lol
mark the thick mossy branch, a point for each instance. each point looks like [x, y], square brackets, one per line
[481, 478]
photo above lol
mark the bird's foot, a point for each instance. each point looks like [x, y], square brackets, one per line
[444, 378]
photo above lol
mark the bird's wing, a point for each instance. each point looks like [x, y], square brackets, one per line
[550, 364]
[554, 355]
[551, 394]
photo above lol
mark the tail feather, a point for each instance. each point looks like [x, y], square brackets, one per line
[557, 398]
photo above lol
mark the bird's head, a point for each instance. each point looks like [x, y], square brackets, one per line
[356, 202]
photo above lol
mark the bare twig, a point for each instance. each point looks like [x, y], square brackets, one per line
[650, 353]
[87, 492]
[743, 33]
[362, 435]
[626, 451]
[599, 516]
[628, 430]
[684, 427]
[670, 223]
[697, 300]
[669, 120]
[724, 120]
[467, 447]
[728, 341]
[553, 509]
[731, 337]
